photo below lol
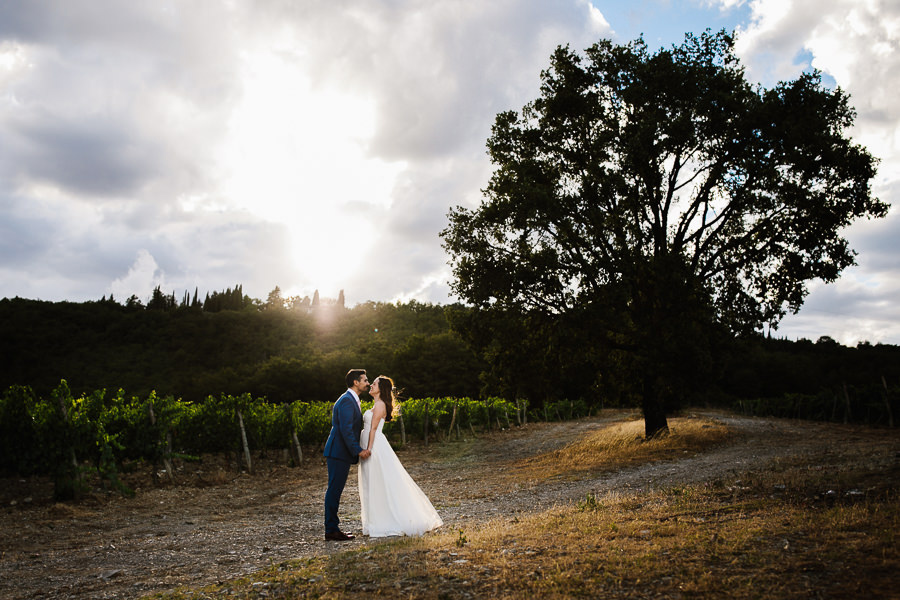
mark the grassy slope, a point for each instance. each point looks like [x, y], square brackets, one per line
[817, 526]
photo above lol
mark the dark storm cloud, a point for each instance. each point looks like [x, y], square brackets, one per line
[23, 236]
[90, 156]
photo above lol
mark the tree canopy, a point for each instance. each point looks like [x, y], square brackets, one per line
[650, 199]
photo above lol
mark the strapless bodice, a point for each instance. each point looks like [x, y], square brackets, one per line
[367, 421]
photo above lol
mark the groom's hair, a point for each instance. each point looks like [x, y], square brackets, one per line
[354, 375]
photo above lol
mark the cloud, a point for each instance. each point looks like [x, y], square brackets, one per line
[107, 99]
[111, 116]
[24, 233]
[435, 70]
[129, 156]
[857, 44]
[90, 156]
[407, 243]
[436, 75]
[143, 275]
[854, 309]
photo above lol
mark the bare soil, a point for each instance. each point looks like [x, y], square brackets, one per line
[215, 523]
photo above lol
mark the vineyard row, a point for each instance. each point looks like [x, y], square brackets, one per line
[56, 436]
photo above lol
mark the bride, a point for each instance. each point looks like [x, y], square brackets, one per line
[392, 503]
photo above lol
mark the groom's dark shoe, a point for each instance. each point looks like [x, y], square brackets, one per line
[338, 536]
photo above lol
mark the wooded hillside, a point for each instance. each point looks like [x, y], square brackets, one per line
[286, 351]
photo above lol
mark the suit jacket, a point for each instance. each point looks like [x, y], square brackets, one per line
[346, 426]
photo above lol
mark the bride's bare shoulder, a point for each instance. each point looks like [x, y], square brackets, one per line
[379, 408]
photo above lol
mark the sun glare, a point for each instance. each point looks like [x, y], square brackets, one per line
[297, 155]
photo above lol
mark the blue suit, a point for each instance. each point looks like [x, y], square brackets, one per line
[341, 450]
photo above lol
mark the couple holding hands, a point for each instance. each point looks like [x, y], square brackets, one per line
[391, 502]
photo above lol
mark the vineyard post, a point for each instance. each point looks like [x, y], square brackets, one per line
[426, 422]
[518, 414]
[65, 416]
[244, 440]
[168, 456]
[167, 463]
[453, 420]
[402, 426]
[297, 446]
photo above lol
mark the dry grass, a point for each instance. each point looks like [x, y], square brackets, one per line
[622, 444]
[822, 525]
[678, 544]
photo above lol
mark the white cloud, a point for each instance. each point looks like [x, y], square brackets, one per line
[857, 43]
[599, 23]
[143, 275]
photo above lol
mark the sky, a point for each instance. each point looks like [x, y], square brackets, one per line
[319, 144]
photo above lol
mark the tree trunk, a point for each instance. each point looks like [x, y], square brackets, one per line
[653, 407]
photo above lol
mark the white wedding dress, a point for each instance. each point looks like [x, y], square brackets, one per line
[392, 503]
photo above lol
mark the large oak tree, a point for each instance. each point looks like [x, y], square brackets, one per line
[650, 196]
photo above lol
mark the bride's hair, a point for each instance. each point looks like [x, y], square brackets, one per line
[386, 393]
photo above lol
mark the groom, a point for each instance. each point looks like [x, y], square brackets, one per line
[342, 449]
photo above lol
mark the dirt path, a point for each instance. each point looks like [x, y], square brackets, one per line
[112, 547]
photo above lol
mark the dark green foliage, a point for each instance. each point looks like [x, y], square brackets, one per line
[283, 355]
[19, 449]
[442, 362]
[821, 381]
